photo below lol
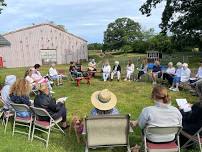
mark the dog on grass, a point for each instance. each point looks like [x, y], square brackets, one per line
[78, 125]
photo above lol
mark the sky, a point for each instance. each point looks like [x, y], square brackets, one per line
[85, 18]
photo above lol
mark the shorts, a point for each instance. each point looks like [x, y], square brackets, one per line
[176, 80]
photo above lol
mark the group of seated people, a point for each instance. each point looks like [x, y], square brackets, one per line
[162, 113]
[108, 73]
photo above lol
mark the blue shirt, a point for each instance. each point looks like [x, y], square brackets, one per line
[114, 111]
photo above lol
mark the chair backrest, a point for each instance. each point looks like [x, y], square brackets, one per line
[40, 112]
[162, 130]
[21, 107]
[107, 130]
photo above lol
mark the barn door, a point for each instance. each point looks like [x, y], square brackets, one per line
[48, 56]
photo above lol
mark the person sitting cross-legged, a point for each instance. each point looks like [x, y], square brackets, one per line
[161, 114]
[54, 74]
[116, 71]
[46, 101]
[104, 102]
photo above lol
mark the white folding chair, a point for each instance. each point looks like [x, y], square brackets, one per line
[44, 126]
[162, 147]
[22, 121]
[107, 131]
[6, 115]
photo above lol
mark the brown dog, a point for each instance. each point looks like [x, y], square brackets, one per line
[77, 125]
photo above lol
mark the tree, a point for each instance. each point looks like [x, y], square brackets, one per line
[95, 46]
[161, 43]
[2, 4]
[182, 17]
[122, 32]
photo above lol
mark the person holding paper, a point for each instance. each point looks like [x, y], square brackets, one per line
[192, 120]
[169, 73]
[46, 101]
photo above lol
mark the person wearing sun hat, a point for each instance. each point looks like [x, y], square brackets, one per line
[104, 102]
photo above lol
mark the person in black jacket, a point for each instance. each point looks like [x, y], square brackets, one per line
[192, 120]
[46, 101]
[116, 71]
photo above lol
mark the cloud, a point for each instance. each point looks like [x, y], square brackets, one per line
[86, 18]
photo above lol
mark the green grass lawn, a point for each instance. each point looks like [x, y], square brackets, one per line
[132, 98]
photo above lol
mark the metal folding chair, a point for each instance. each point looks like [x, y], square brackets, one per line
[22, 121]
[107, 131]
[5, 116]
[161, 147]
[196, 138]
[44, 126]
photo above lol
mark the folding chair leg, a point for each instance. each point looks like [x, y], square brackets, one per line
[199, 142]
[60, 128]
[30, 129]
[6, 123]
[48, 137]
[13, 127]
[128, 148]
[86, 148]
[33, 133]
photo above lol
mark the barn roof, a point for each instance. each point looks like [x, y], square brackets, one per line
[4, 42]
[49, 24]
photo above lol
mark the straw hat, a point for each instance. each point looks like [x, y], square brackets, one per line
[104, 99]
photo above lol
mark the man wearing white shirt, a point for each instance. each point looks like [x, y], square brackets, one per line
[54, 74]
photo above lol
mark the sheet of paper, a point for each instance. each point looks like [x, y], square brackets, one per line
[183, 104]
[62, 99]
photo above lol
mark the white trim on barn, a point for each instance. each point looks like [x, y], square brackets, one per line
[27, 43]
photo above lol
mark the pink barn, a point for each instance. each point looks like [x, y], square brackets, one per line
[43, 44]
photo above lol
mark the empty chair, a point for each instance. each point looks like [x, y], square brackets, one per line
[44, 126]
[162, 131]
[107, 131]
[22, 121]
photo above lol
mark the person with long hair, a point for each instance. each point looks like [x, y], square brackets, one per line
[129, 70]
[19, 93]
[161, 114]
[143, 69]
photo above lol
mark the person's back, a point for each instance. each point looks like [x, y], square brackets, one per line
[9, 81]
[162, 114]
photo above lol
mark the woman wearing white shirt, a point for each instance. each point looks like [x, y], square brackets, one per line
[129, 70]
[185, 73]
[169, 73]
[106, 69]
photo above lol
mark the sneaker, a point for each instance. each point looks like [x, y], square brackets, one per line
[154, 83]
[171, 88]
[125, 79]
[175, 90]
[52, 92]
